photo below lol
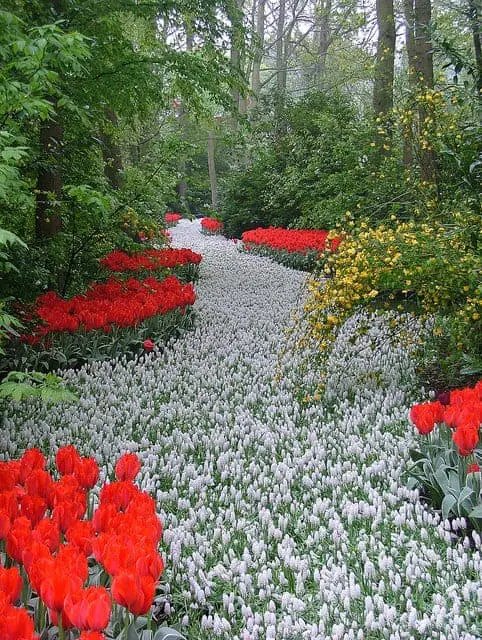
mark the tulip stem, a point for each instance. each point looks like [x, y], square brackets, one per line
[126, 628]
[60, 627]
[41, 615]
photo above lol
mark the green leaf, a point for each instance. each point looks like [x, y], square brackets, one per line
[447, 505]
[477, 512]
[167, 633]
[442, 479]
[132, 632]
[465, 494]
[415, 455]
[6, 237]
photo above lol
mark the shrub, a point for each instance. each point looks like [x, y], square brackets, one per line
[416, 267]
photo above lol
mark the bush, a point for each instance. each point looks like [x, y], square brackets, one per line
[427, 270]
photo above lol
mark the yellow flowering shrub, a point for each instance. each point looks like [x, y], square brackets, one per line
[421, 268]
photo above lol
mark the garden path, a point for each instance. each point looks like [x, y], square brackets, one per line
[284, 519]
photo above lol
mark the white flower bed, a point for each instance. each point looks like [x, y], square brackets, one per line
[283, 520]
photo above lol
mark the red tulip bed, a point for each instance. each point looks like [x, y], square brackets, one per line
[109, 319]
[296, 248]
[70, 568]
[210, 226]
[183, 263]
[172, 219]
[446, 466]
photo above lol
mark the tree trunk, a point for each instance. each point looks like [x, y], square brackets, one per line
[111, 151]
[384, 69]
[258, 52]
[235, 14]
[408, 133]
[183, 120]
[323, 39]
[49, 179]
[212, 169]
[475, 11]
[280, 57]
[424, 60]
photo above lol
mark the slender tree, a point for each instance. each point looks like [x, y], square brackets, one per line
[384, 67]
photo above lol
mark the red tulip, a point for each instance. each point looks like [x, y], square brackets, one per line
[424, 416]
[66, 460]
[127, 467]
[7, 478]
[87, 472]
[56, 586]
[9, 503]
[91, 635]
[89, 609]
[126, 591]
[466, 439]
[149, 345]
[39, 483]
[11, 583]
[81, 534]
[120, 494]
[71, 559]
[33, 552]
[5, 524]
[31, 459]
[33, 508]
[16, 624]
[18, 537]
[103, 516]
[47, 531]
[473, 468]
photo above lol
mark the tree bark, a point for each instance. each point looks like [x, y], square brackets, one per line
[183, 120]
[408, 133]
[384, 68]
[424, 61]
[212, 169]
[258, 53]
[111, 152]
[475, 17]
[235, 15]
[323, 39]
[49, 179]
[280, 57]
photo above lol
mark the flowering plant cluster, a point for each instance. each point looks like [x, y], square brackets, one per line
[284, 518]
[447, 465]
[183, 261]
[172, 218]
[211, 226]
[108, 319]
[70, 565]
[297, 248]
[114, 303]
[141, 228]
[423, 268]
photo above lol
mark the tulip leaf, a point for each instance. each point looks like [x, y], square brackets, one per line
[415, 455]
[132, 632]
[447, 505]
[477, 512]
[465, 494]
[166, 633]
[442, 480]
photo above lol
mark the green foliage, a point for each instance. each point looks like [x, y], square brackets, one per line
[440, 473]
[315, 166]
[48, 387]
